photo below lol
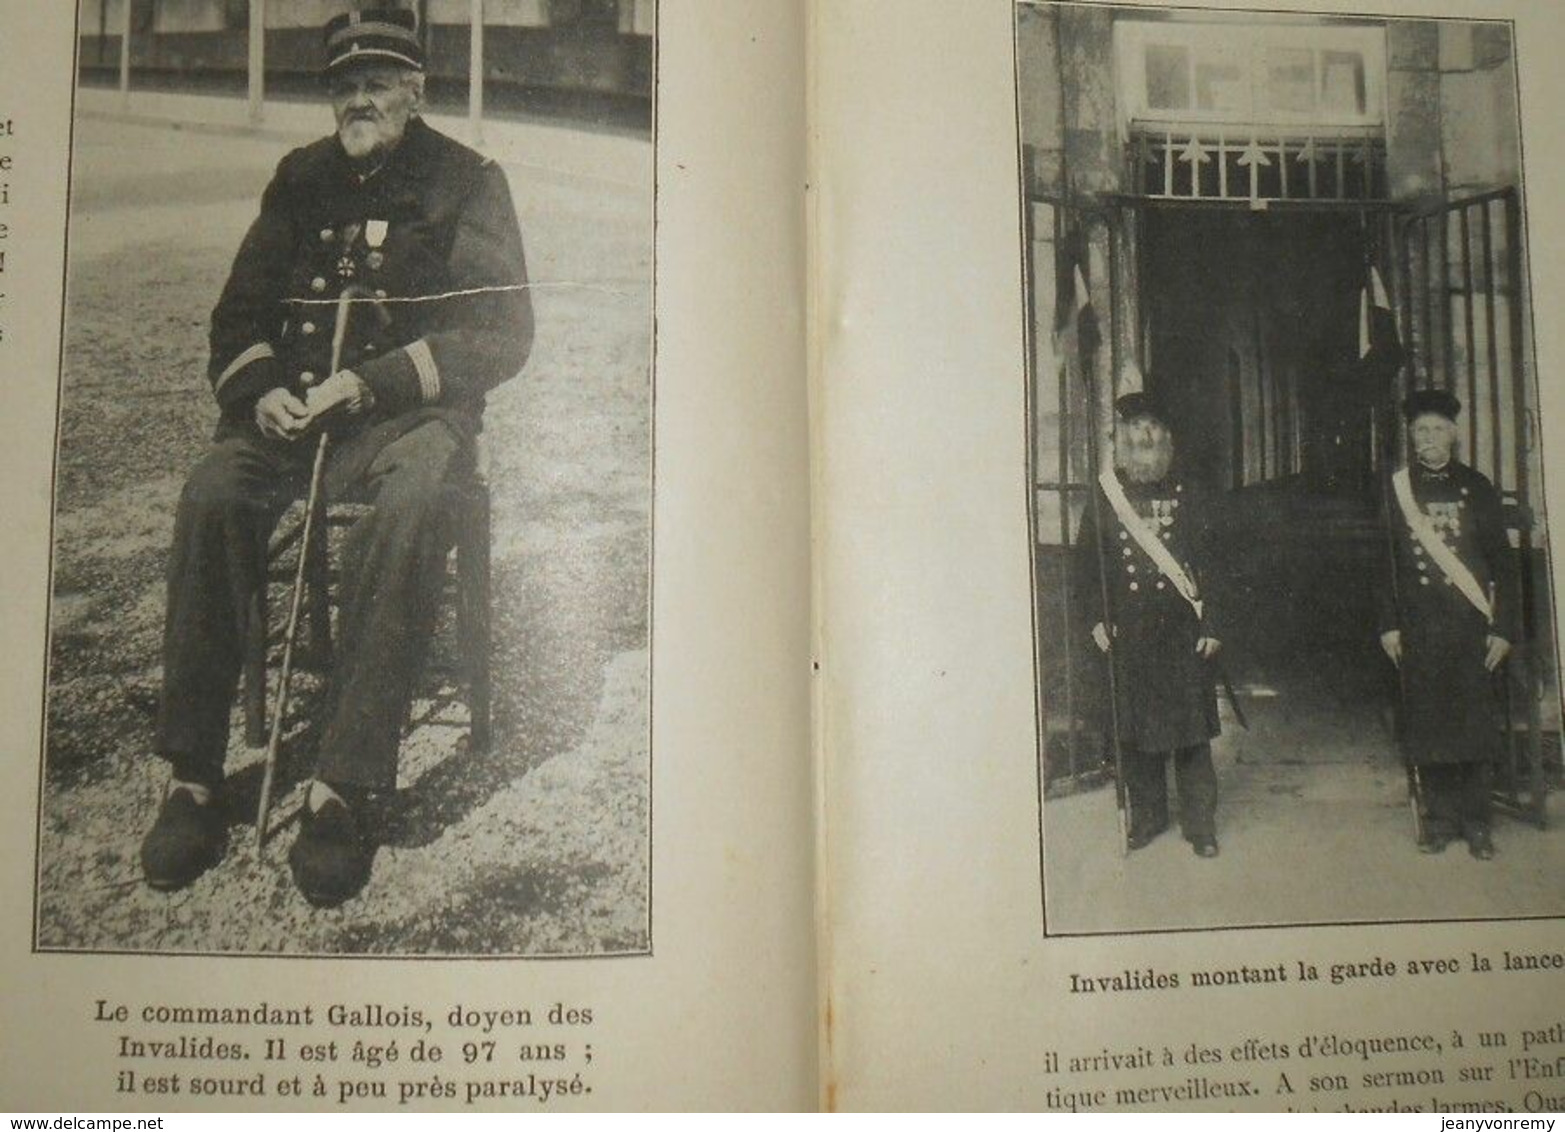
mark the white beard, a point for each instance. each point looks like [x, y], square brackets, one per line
[1145, 463]
[362, 138]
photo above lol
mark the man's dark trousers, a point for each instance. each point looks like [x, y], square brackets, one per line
[1456, 796]
[393, 566]
[1195, 779]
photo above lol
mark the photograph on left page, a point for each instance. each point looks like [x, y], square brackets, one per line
[349, 630]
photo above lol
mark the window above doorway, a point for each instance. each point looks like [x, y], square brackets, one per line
[1309, 77]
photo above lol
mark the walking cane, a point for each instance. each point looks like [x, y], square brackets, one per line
[291, 633]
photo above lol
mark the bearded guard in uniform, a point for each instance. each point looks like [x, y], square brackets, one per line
[1448, 612]
[1158, 630]
[424, 232]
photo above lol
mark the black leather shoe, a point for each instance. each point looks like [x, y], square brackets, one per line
[186, 840]
[330, 858]
[1480, 844]
[1204, 846]
[1141, 838]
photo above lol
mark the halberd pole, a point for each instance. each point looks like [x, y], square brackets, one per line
[1121, 791]
[1415, 787]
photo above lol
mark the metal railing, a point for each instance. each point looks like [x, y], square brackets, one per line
[1256, 165]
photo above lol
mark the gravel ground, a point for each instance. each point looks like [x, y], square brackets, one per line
[539, 846]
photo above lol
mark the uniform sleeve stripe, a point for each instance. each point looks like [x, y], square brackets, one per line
[428, 373]
[250, 354]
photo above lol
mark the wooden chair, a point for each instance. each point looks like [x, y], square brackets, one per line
[467, 588]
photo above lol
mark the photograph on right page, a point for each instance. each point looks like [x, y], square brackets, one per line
[1296, 661]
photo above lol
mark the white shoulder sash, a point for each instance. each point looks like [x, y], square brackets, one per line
[1434, 546]
[1148, 541]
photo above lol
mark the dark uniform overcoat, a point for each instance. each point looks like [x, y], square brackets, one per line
[1166, 693]
[433, 232]
[1448, 708]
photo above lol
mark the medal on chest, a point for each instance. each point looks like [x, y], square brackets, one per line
[346, 266]
[1445, 517]
[1160, 515]
[375, 232]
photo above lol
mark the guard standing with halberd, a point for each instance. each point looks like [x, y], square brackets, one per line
[424, 233]
[1449, 609]
[1159, 629]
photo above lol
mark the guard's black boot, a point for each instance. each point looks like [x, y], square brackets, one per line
[1205, 845]
[186, 840]
[331, 857]
[1479, 843]
[1140, 838]
[1437, 834]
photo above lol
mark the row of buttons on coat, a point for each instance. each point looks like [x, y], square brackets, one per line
[1423, 566]
[1165, 521]
[1130, 567]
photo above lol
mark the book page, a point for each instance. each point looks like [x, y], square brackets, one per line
[537, 796]
[1175, 755]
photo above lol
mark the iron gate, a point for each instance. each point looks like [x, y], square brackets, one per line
[1462, 303]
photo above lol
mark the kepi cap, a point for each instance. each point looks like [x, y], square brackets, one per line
[375, 35]
[1133, 405]
[1436, 401]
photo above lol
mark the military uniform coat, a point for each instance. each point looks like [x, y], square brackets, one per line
[1167, 697]
[1448, 710]
[432, 232]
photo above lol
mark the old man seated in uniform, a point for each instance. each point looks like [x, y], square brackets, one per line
[422, 233]
[1448, 614]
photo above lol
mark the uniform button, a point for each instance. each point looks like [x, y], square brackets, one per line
[317, 284]
[1179, 487]
[1167, 535]
[308, 328]
[326, 235]
[379, 294]
[1134, 586]
[1160, 584]
[307, 378]
[1124, 534]
[1423, 566]
[1424, 581]
[1126, 551]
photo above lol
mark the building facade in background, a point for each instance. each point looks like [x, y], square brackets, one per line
[597, 47]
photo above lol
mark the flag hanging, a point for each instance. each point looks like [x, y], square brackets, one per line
[1131, 379]
[1068, 319]
[1377, 325]
[1076, 329]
